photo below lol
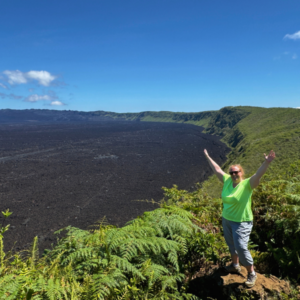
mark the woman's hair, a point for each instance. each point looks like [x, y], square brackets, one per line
[240, 168]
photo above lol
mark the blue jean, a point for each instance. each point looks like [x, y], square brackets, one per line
[237, 237]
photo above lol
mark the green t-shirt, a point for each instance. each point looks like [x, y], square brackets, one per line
[237, 201]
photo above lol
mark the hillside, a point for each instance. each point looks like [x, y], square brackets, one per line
[258, 132]
[200, 118]
[249, 131]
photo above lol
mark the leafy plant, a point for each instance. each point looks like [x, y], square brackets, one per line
[3, 228]
[142, 260]
[277, 221]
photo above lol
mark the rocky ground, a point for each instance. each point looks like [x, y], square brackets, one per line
[55, 175]
[219, 285]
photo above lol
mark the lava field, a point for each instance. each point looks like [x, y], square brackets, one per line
[55, 175]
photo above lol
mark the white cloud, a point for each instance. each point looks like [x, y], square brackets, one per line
[35, 98]
[294, 56]
[3, 85]
[50, 97]
[43, 77]
[294, 36]
[17, 77]
[57, 103]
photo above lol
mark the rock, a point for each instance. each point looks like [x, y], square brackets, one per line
[224, 286]
[26, 221]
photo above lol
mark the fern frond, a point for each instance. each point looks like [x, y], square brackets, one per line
[105, 283]
[2, 254]
[34, 253]
[126, 266]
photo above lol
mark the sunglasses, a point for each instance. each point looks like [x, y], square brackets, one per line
[234, 172]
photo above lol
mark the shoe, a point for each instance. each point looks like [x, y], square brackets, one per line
[232, 269]
[251, 280]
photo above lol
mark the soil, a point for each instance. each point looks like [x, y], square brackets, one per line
[218, 284]
[55, 175]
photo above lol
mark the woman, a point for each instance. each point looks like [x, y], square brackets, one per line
[237, 217]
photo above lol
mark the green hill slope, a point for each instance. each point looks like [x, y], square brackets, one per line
[200, 119]
[263, 130]
[260, 131]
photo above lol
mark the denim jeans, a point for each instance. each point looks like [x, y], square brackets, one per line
[237, 237]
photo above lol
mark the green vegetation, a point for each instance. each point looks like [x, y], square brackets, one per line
[156, 255]
[144, 260]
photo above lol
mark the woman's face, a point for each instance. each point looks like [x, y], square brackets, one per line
[236, 174]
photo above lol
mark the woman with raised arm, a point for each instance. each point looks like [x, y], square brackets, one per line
[237, 217]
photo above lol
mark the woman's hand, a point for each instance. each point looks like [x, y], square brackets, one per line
[205, 152]
[254, 180]
[269, 158]
[214, 166]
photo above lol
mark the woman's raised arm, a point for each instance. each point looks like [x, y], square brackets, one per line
[214, 166]
[254, 180]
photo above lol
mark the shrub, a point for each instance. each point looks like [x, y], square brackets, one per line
[139, 261]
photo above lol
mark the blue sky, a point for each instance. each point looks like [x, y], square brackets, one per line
[131, 56]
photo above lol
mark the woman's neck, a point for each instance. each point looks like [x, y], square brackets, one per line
[234, 184]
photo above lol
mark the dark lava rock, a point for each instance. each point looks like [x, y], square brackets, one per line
[55, 175]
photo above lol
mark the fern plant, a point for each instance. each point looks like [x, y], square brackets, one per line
[277, 222]
[139, 261]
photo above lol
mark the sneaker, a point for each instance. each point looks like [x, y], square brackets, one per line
[232, 269]
[251, 280]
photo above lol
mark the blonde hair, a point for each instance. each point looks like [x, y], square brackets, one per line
[240, 168]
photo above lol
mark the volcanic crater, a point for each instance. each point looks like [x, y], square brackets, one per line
[55, 175]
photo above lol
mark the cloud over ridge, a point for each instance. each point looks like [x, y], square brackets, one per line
[57, 103]
[17, 77]
[13, 78]
[51, 96]
[36, 97]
